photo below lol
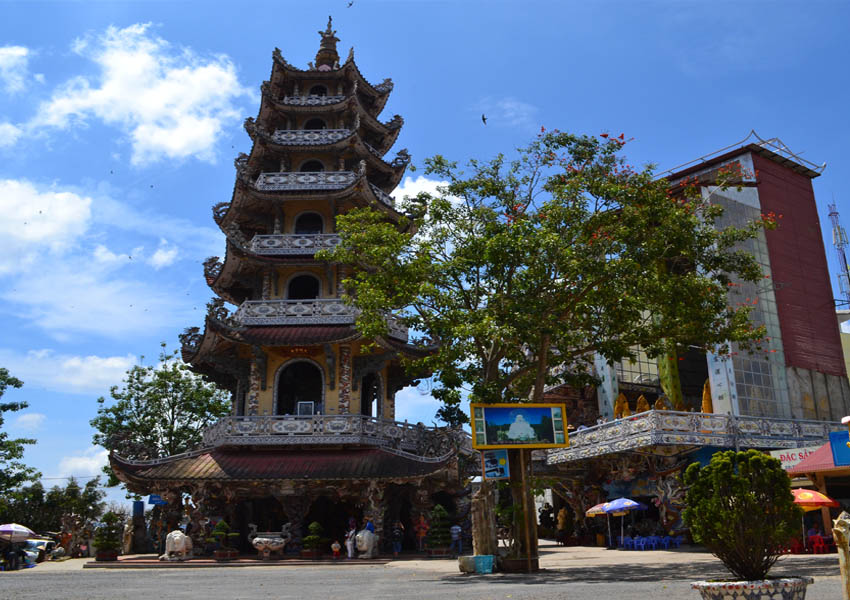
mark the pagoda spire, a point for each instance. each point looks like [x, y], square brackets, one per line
[327, 54]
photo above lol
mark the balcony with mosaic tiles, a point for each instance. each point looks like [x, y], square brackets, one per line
[316, 311]
[672, 432]
[293, 244]
[426, 443]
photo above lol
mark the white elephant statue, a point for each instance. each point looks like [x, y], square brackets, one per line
[367, 544]
[267, 542]
[178, 546]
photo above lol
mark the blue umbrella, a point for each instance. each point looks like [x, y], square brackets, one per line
[621, 506]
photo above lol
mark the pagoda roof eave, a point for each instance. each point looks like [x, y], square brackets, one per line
[349, 67]
[219, 465]
[411, 350]
[389, 129]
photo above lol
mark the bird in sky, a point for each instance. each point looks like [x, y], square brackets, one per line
[484, 119]
[350, 4]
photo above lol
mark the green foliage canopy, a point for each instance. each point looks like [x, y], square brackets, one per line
[42, 510]
[13, 473]
[514, 268]
[741, 508]
[439, 535]
[160, 410]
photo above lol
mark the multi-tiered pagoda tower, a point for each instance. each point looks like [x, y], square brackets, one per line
[312, 435]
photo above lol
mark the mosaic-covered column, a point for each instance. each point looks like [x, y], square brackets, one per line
[344, 379]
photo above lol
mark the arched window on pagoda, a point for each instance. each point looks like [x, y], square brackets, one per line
[312, 166]
[370, 395]
[299, 389]
[309, 224]
[315, 123]
[318, 90]
[303, 287]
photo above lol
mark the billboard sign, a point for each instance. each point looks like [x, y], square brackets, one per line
[791, 457]
[519, 426]
[495, 464]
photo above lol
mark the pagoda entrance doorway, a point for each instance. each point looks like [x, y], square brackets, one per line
[266, 513]
[333, 515]
[400, 508]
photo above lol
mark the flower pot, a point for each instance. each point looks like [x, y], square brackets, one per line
[785, 588]
[106, 555]
[439, 552]
[225, 555]
[519, 565]
[312, 554]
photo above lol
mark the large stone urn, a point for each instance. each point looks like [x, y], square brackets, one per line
[785, 588]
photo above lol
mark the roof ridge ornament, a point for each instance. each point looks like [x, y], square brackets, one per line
[350, 55]
[327, 55]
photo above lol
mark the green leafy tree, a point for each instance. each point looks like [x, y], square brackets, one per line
[42, 510]
[160, 410]
[13, 473]
[515, 268]
[741, 508]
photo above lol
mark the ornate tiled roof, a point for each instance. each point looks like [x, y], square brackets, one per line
[295, 335]
[224, 465]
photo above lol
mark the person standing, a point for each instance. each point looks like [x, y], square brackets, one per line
[457, 541]
[349, 540]
[397, 537]
[421, 528]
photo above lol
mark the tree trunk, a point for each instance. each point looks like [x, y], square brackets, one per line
[484, 521]
[525, 523]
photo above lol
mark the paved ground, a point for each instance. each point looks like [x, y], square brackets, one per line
[568, 573]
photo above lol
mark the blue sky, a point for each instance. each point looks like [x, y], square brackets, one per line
[119, 122]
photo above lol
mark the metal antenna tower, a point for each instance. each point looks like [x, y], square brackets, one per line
[839, 240]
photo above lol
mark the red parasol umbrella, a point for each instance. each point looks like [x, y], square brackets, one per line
[811, 500]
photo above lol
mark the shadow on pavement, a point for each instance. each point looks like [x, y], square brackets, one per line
[820, 566]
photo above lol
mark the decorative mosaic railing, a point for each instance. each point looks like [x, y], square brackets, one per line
[671, 428]
[312, 100]
[293, 244]
[324, 180]
[319, 311]
[423, 443]
[309, 137]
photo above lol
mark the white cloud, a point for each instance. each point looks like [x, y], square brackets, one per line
[509, 112]
[165, 255]
[415, 406]
[29, 421]
[67, 373]
[84, 464]
[9, 134]
[13, 67]
[37, 221]
[170, 102]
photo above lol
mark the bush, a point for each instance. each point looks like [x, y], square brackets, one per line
[221, 533]
[314, 541]
[439, 535]
[107, 537]
[741, 508]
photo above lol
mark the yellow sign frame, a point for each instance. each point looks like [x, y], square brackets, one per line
[478, 421]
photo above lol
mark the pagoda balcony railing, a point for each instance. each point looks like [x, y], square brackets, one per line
[428, 444]
[672, 428]
[317, 311]
[309, 137]
[293, 244]
[297, 181]
[312, 100]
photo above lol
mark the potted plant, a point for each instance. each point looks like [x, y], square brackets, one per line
[107, 537]
[439, 537]
[314, 542]
[221, 534]
[740, 507]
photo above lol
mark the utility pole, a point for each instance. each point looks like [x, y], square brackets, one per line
[839, 240]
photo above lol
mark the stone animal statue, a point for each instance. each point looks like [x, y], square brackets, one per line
[367, 544]
[268, 542]
[178, 546]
